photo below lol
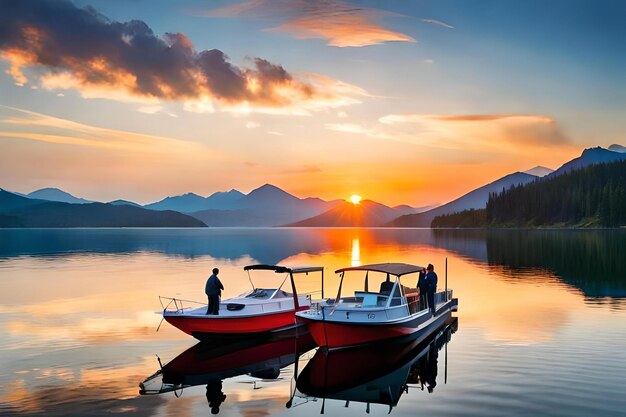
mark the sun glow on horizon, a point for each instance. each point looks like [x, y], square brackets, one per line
[355, 199]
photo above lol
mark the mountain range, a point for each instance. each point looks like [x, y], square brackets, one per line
[472, 200]
[265, 206]
[477, 198]
[191, 202]
[18, 211]
[54, 194]
[591, 156]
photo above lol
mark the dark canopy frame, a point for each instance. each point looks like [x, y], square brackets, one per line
[291, 271]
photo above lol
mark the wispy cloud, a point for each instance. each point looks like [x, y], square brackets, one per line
[340, 23]
[481, 131]
[305, 169]
[356, 129]
[78, 48]
[30, 125]
[438, 23]
[150, 109]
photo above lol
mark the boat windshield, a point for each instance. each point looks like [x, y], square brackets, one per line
[266, 293]
[380, 288]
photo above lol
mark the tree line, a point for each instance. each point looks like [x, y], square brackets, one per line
[591, 196]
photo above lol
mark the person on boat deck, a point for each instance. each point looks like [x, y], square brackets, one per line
[422, 285]
[431, 281]
[213, 290]
[386, 286]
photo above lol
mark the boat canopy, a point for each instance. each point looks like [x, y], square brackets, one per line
[280, 269]
[397, 269]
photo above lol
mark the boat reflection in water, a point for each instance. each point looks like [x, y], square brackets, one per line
[210, 362]
[375, 374]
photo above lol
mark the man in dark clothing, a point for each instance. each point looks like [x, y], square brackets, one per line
[213, 290]
[423, 287]
[431, 281]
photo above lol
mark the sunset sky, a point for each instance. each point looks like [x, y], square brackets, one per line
[412, 102]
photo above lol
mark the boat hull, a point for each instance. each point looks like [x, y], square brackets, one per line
[203, 327]
[339, 334]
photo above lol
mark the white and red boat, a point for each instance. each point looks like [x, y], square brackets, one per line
[367, 317]
[261, 310]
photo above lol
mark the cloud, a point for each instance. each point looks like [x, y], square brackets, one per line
[68, 47]
[150, 109]
[438, 23]
[340, 23]
[305, 169]
[33, 126]
[356, 129]
[496, 131]
[252, 125]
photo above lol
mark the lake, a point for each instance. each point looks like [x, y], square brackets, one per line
[541, 326]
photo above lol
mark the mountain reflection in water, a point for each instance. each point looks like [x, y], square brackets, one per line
[593, 261]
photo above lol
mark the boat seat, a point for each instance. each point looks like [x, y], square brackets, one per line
[234, 306]
[386, 287]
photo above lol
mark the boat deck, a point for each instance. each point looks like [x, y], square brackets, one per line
[256, 303]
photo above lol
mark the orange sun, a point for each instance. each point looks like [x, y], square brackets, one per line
[355, 199]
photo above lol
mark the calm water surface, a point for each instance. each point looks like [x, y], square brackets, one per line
[541, 324]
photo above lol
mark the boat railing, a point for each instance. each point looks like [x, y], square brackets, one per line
[416, 304]
[443, 296]
[177, 305]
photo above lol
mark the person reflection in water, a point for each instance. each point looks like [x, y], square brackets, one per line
[214, 395]
[424, 371]
[213, 290]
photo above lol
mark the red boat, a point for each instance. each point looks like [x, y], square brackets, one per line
[261, 310]
[394, 311]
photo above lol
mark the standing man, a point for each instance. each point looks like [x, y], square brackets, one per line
[423, 287]
[213, 290]
[431, 280]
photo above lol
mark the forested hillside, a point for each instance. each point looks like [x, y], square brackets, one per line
[594, 195]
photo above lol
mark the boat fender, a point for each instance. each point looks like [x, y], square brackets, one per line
[234, 307]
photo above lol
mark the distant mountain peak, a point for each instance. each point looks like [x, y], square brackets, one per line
[55, 194]
[269, 190]
[267, 187]
[594, 150]
[49, 189]
[539, 171]
[590, 156]
[123, 202]
[617, 148]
